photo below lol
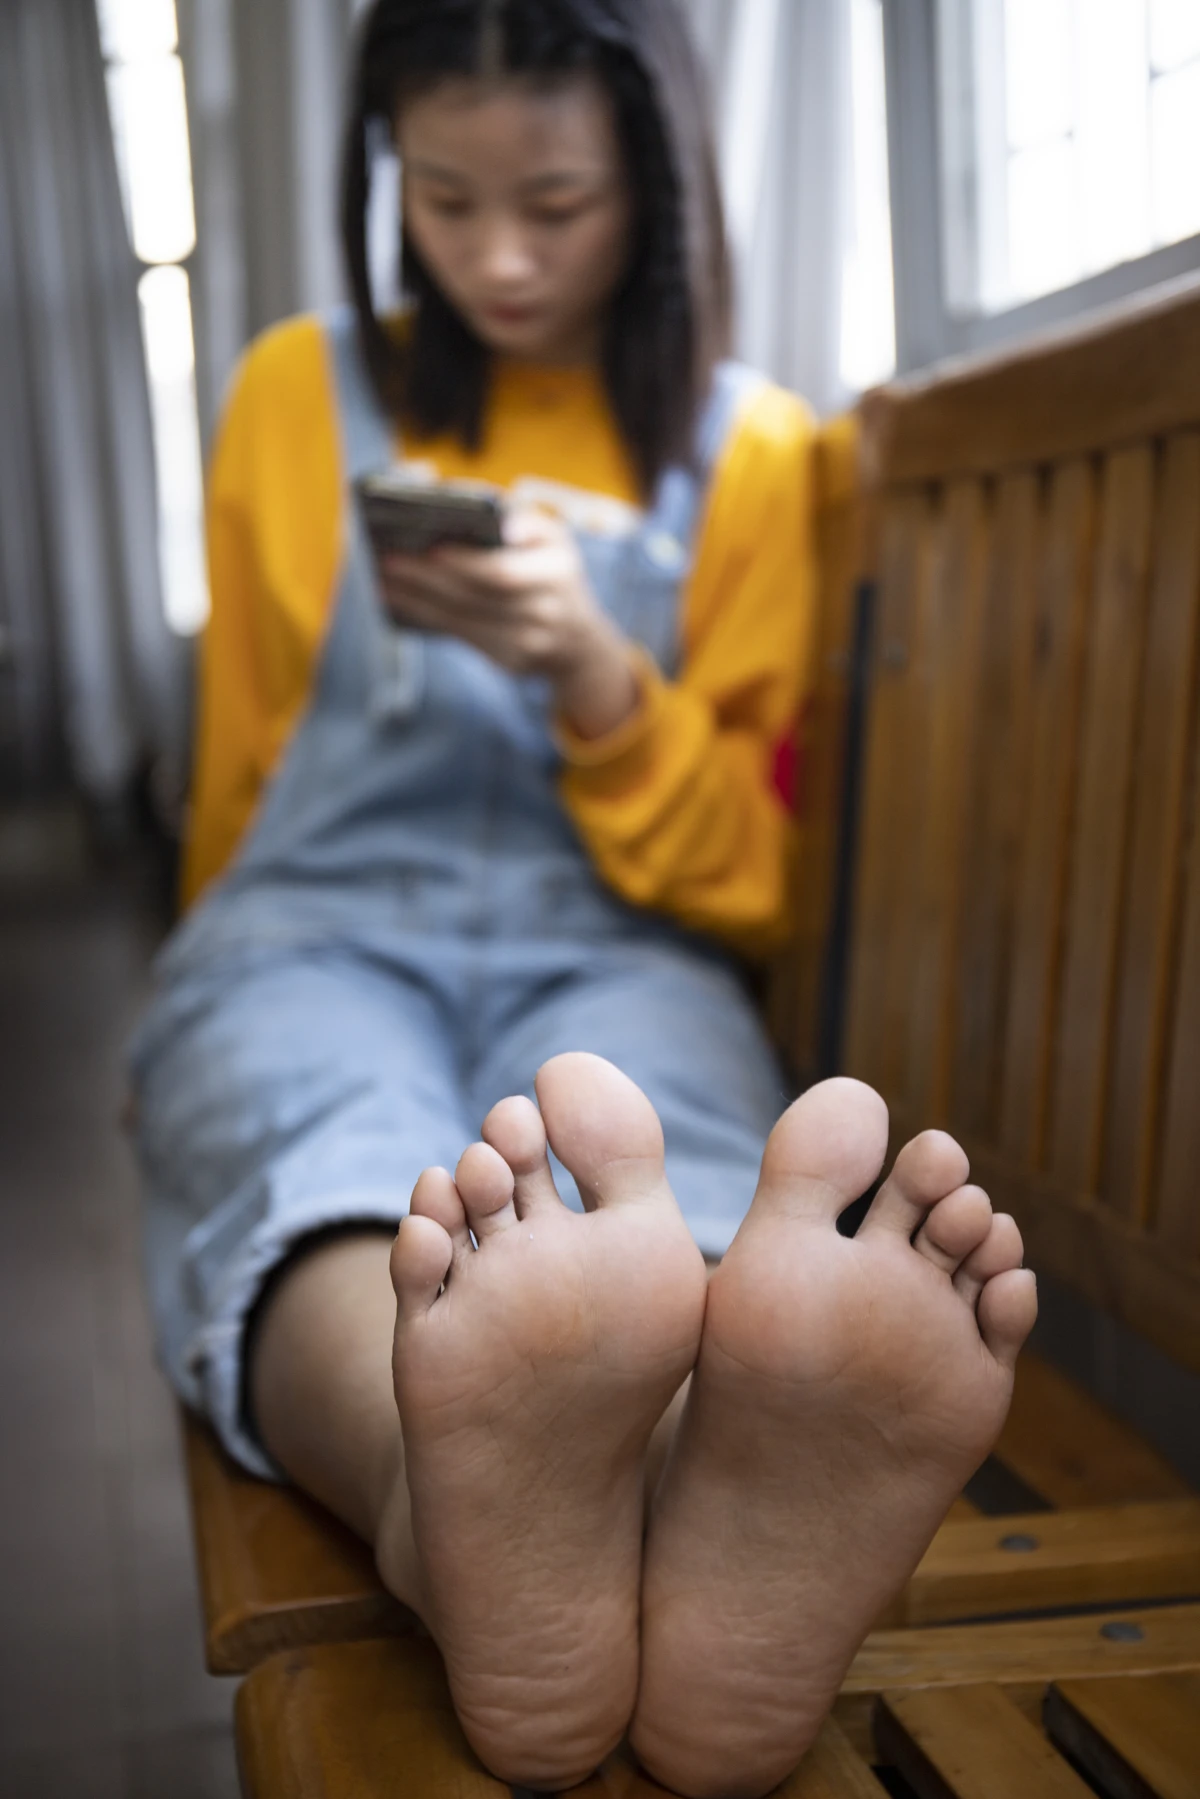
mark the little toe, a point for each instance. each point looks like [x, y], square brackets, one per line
[825, 1151]
[514, 1129]
[485, 1181]
[420, 1262]
[1007, 1310]
[436, 1196]
[955, 1228]
[999, 1251]
[603, 1129]
[927, 1169]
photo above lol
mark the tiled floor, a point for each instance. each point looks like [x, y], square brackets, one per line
[103, 1694]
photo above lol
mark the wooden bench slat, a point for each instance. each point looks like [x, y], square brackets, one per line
[1115, 631]
[832, 1769]
[1067, 1447]
[1151, 897]
[276, 1570]
[1151, 1641]
[970, 1743]
[1104, 1555]
[1137, 1738]
[995, 808]
[1177, 1221]
[948, 676]
[1062, 594]
[355, 1719]
[876, 1029]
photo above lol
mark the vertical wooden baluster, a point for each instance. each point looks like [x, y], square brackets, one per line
[1152, 865]
[995, 807]
[890, 793]
[952, 680]
[1114, 658]
[1063, 585]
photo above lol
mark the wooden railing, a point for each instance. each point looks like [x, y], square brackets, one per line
[1024, 962]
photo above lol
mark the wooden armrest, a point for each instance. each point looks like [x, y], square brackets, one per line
[275, 1568]
[356, 1720]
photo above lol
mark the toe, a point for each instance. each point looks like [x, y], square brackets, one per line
[420, 1262]
[999, 1251]
[825, 1151]
[485, 1181]
[603, 1129]
[435, 1196]
[1007, 1310]
[926, 1170]
[515, 1131]
[955, 1228]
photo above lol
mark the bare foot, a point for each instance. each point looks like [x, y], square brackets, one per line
[845, 1390]
[530, 1372]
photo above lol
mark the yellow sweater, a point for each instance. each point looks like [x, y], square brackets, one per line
[677, 806]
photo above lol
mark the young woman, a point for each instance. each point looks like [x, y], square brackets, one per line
[463, 817]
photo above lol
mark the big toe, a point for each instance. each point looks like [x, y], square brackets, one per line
[825, 1151]
[603, 1129]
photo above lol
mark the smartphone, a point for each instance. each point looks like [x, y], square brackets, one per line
[407, 518]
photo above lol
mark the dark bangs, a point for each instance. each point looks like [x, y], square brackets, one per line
[669, 320]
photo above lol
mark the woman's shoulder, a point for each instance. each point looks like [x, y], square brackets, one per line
[284, 365]
[771, 420]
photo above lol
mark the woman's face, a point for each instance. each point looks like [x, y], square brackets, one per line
[517, 200]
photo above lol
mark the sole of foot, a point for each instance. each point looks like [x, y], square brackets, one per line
[535, 1351]
[846, 1389]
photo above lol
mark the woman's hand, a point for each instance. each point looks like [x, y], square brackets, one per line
[528, 606]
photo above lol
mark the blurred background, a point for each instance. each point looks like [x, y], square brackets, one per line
[906, 180]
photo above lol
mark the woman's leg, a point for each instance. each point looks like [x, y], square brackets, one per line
[320, 1379]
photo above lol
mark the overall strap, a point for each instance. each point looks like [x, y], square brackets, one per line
[675, 514]
[395, 656]
[368, 436]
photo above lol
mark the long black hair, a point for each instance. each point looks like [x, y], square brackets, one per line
[669, 320]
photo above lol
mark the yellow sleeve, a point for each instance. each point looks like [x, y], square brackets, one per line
[274, 545]
[678, 806]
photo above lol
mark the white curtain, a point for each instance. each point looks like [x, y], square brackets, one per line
[265, 85]
[780, 73]
[90, 677]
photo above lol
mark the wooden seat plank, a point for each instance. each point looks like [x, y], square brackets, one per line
[1101, 1555]
[995, 808]
[1137, 1738]
[970, 1743]
[1064, 1445]
[1151, 890]
[351, 1720]
[1151, 1641]
[276, 1569]
[1115, 633]
[832, 1769]
[1064, 580]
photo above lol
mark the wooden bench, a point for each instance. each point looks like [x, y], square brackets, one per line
[999, 928]
[966, 1712]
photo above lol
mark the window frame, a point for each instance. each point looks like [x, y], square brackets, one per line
[928, 159]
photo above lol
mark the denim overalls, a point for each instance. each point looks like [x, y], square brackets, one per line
[410, 929]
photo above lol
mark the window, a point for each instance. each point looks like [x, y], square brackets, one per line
[1046, 159]
[868, 335]
[1088, 153]
[147, 107]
